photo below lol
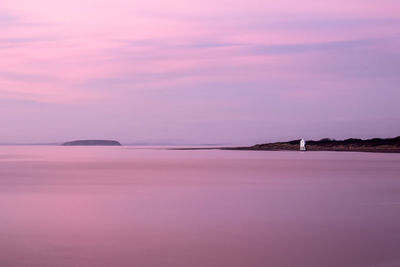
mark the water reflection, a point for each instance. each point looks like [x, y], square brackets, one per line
[107, 206]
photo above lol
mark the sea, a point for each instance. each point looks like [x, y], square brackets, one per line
[153, 206]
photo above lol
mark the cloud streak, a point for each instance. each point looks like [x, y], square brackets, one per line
[309, 47]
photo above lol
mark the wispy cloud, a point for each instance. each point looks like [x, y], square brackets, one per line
[14, 42]
[7, 19]
[11, 20]
[268, 49]
[176, 44]
[27, 77]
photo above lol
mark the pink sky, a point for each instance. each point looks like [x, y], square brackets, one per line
[198, 71]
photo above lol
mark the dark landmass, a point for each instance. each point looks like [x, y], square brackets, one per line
[388, 145]
[92, 143]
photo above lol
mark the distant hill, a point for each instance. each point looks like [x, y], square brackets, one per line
[92, 143]
[326, 144]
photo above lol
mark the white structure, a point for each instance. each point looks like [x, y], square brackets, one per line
[303, 145]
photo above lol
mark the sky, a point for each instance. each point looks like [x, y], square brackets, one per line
[198, 72]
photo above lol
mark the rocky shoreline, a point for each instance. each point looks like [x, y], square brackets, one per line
[388, 145]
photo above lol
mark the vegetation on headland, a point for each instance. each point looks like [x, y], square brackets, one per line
[387, 145]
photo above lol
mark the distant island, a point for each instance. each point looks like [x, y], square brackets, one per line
[387, 145]
[92, 143]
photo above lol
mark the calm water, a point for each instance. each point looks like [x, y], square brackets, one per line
[113, 206]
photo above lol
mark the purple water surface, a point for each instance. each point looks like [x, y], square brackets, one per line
[121, 206]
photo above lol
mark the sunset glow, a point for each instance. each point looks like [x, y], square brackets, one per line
[193, 71]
